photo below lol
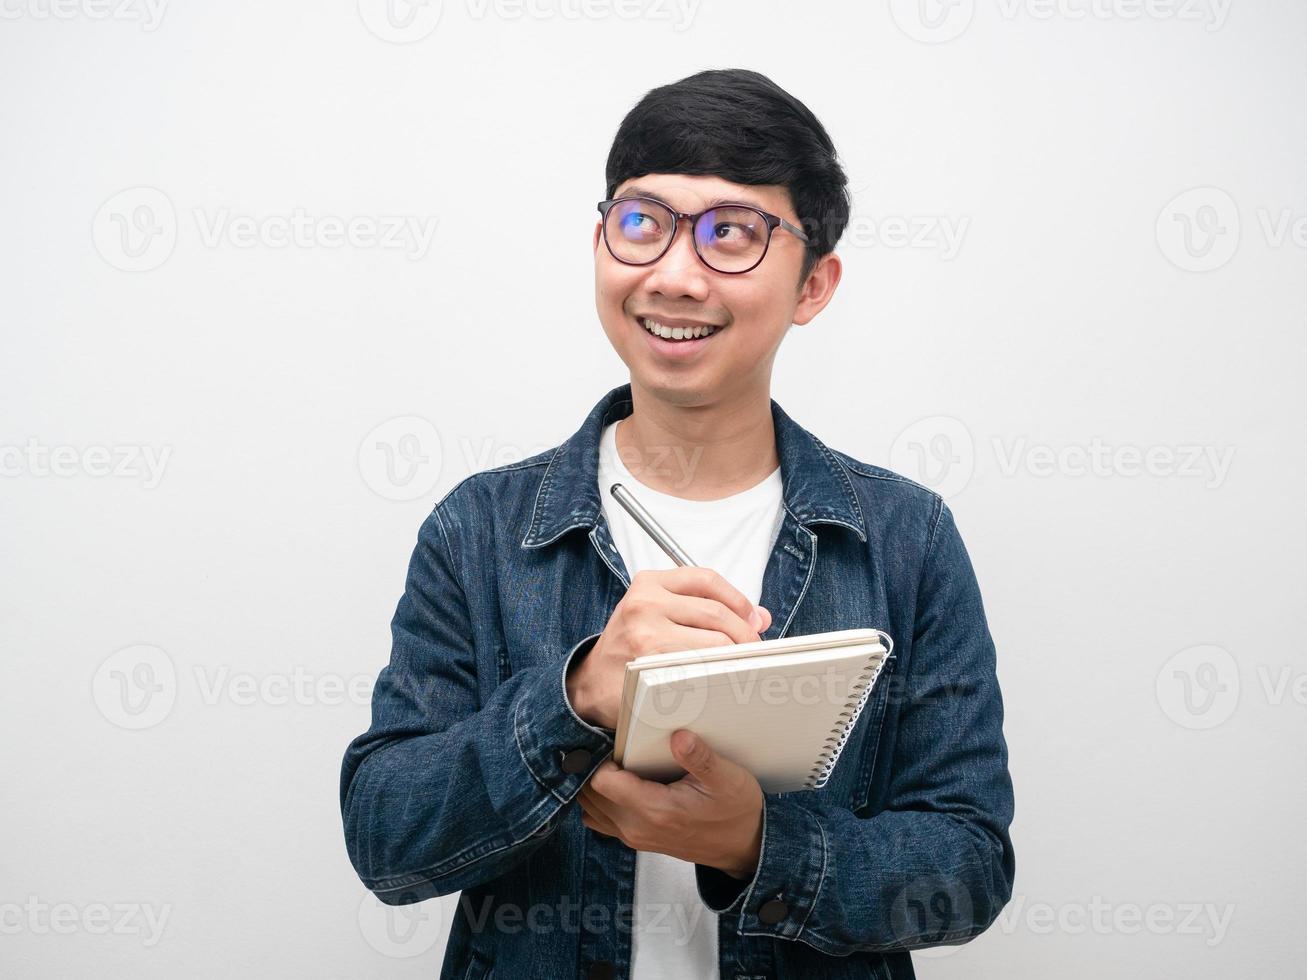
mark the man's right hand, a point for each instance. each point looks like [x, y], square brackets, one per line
[684, 608]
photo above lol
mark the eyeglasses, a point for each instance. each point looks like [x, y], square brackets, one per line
[728, 238]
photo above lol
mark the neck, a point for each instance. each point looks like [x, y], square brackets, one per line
[698, 452]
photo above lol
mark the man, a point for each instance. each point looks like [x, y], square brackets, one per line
[486, 767]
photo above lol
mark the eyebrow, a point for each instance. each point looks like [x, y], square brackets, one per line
[638, 191]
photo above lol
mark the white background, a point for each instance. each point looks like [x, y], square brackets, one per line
[1147, 613]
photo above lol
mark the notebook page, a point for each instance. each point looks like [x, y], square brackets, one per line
[770, 714]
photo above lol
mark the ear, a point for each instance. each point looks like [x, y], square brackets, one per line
[818, 288]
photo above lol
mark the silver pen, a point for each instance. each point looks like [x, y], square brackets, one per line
[655, 530]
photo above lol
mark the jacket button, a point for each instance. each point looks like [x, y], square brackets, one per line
[772, 912]
[578, 760]
[603, 970]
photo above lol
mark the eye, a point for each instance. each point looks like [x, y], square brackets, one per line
[638, 224]
[729, 229]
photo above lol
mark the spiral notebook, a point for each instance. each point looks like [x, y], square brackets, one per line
[782, 708]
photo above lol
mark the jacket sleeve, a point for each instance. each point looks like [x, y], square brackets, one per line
[444, 792]
[936, 865]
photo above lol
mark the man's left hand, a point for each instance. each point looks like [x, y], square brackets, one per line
[712, 815]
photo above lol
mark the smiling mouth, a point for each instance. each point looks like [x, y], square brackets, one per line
[677, 334]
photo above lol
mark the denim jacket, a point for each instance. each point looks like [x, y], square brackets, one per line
[467, 777]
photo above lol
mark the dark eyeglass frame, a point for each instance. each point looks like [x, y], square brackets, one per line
[773, 221]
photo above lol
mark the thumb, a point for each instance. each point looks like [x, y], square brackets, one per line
[693, 753]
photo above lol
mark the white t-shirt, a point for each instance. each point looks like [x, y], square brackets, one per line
[674, 935]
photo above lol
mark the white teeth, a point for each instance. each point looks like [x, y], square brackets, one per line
[675, 333]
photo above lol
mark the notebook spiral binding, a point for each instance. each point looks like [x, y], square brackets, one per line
[834, 745]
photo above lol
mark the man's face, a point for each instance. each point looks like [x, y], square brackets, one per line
[751, 311]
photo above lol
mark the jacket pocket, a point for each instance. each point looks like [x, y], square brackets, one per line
[870, 723]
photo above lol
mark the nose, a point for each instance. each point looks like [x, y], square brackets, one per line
[680, 272]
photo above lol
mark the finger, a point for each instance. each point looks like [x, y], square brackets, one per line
[710, 614]
[591, 802]
[622, 789]
[599, 824]
[710, 617]
[708, 584]
[697, 757]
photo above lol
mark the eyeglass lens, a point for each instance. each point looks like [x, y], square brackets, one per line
[730, 239]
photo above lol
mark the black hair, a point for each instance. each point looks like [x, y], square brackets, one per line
[741, 126]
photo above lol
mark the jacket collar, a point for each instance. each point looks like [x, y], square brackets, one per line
[814, 484]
